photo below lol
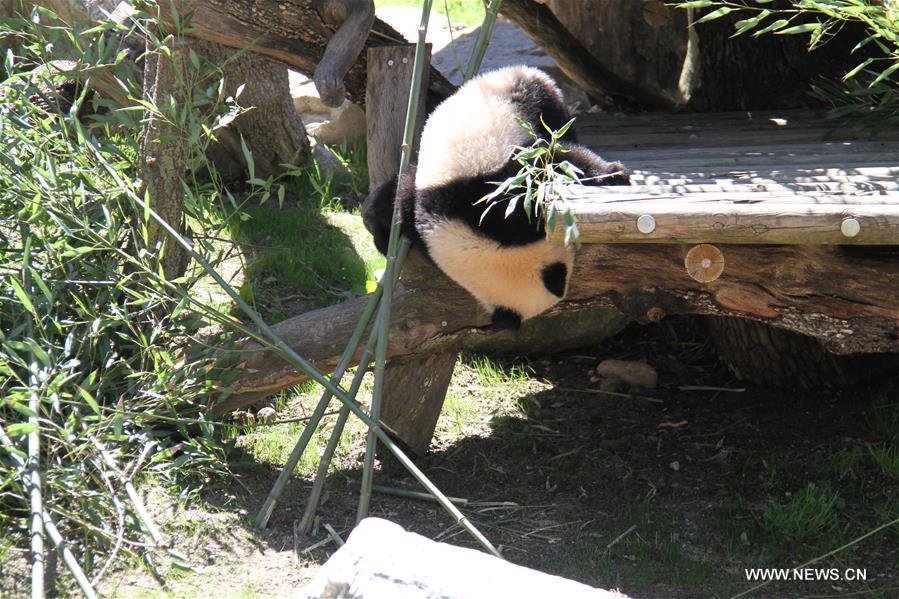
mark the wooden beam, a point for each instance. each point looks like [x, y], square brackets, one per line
[844, 297]
[671, 218]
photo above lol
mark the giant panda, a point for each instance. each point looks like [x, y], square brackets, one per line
[466, 147]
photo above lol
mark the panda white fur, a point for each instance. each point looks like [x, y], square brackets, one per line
[466, 146]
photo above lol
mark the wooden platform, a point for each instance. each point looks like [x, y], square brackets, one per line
[794, 269]
[786, 177]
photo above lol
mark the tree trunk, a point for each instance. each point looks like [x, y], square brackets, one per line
[163, 151]
[271, 128]
[643, 41]
[770, 71]
[642, 51]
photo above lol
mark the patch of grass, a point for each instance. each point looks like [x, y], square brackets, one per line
[887, 458]
[845, 463]
[491, 373]
[806, 517]
[273, 443]
[884, 421]
[297, 253]
[466, 12]
[460, 414]
[310, 251]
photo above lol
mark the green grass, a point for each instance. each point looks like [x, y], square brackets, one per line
[305, 248]
[805, 517]
[466, 12]
[887, 459]
[273, 443]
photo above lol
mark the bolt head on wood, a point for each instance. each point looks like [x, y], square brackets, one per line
[646, 223]
[704, 263]
[850, 227]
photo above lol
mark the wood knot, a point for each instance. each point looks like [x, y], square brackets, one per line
[704, 263]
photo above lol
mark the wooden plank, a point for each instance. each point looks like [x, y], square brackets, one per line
[725, 191]
[786, 175]
[387, 90]
[769, 222]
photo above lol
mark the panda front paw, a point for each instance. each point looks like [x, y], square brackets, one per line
[504, 319]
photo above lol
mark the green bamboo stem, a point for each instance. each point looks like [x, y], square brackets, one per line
[324, 463]
[136, 502]
[268, 506]
[37, 506]
[68, 557]
[484, 34]
[34, 441]
[371, 444]
[49, 525]
[286, 353]
[274, 495]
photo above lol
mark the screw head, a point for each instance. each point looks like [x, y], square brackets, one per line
[390, 63]
[850, 227]
[646, 223]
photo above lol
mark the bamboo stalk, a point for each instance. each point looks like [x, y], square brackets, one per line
[371, 444]
[409, 494]
[138, 504]
[324, 463]
[67, 556]
[284, 351]
[34, 441]
[484, 34]
[268, 506]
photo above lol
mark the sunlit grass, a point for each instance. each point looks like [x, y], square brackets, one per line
[466, 12]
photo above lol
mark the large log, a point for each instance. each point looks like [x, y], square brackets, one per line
[845, 297]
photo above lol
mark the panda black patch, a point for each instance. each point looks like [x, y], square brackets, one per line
[554, 278]
[467, 146]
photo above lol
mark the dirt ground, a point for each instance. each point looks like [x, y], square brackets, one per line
[672, 494]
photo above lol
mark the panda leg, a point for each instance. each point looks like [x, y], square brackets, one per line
[505, 319]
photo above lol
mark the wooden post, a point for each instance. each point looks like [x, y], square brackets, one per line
[387, 96]
[414, 388]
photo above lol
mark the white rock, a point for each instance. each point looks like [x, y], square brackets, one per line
[382, 561]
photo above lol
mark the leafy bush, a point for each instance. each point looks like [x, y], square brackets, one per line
[99, 360]
[869, 90]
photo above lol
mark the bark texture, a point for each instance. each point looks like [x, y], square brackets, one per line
[844, 297]
[288, 31]
[271, 127]
[163, 152]
[765, 355]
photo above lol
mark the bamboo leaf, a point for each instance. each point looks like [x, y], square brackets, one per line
[23, 297]
[804, 28]
[715, 14]
[886, 73]
[21, 428]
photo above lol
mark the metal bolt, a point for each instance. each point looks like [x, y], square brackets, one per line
[646, 223]
[850, 227]
[405, 61]
[390, 63]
